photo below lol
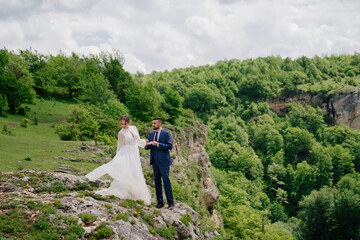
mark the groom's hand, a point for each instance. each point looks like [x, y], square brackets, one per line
[153, 143]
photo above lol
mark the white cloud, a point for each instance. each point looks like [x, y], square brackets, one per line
[133, 64]
[164, 34]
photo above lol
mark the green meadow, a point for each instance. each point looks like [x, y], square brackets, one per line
[37, 146]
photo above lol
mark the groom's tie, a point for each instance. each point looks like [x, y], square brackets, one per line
[156, 136]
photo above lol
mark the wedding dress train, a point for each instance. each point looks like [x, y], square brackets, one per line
[125, 168]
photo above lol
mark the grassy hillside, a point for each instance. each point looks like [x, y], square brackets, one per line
[36, 146]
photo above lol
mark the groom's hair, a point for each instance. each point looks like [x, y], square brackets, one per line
[158, 118]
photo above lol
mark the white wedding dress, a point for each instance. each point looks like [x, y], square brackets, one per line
[125, 168]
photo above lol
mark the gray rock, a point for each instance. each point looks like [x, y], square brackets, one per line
[68, 180]
[8, 187]
[25, 179]
[135, 231]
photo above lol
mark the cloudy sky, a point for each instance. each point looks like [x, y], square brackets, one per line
[166, 34]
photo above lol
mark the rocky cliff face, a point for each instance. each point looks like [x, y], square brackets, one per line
[342, 108]
[55, 195]
[189, 149]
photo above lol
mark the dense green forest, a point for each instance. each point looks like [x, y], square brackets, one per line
[279, 177]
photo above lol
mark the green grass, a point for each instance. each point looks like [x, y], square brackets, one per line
[330, 86]
[31, 220]
[87, 218]
[36, 146]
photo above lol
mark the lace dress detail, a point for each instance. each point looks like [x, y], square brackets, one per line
[125, 168]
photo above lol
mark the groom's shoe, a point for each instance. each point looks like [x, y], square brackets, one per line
[171, 207]
[160, 205]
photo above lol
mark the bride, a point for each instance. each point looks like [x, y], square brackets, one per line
[125, 167]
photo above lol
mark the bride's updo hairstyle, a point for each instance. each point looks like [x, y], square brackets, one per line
[125, 118]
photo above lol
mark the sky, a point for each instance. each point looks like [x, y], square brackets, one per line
[159, 35]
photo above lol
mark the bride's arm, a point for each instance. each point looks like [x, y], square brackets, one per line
[140, 142]
[120, 141]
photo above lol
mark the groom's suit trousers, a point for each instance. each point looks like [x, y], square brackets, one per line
[162, 172]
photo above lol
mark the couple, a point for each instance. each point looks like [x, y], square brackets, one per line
[125, 167]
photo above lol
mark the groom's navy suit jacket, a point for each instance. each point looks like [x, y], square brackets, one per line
[160, 154]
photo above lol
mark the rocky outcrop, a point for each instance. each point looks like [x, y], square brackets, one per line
[342, 108]
[72, 194]
[189, 149]
[127, 219]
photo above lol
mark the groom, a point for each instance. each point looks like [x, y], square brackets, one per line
[160, 143]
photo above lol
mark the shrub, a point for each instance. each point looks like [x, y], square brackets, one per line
[108, 140]
[68, 131]
[36, 119]
[57, 204]
[102, 232]
[122, 216]
[128, 204]
[108, 206]
[57, 186]
[87, 218]
[168, 233]
[25, 122]
[42, 188]
[7, 130]
[186, 218]
[83, 186]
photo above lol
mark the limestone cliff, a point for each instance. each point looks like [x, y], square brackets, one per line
[342, 108]
[189, 149]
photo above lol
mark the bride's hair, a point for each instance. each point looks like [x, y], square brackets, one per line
[125, 118]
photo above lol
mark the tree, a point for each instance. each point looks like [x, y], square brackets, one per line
[4, 61]
[297, 145]
[315, 215]
[68, 72]
[86, 124]
[258, 86]
[202, 100]
[220, 155]
[266, 139]
[95, 87]
[16, 80]
[140, 102]
[36, 63]
[119, 79]
[172, 104]
[306, 117]
[342, 161]
[304, 182]
[337, 134]
[346, 212]
[233, 157]
[227, 128]
[321, 159]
